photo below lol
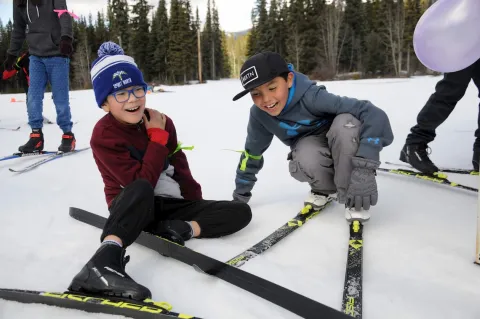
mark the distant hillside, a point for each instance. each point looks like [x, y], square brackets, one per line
[238, 33]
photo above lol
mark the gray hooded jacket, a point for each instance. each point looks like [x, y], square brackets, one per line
[41, 26]
[310, 110]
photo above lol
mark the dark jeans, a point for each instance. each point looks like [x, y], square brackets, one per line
[136, 209]
[448, 92]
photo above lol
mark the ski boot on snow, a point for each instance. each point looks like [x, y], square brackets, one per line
[417, 156]
[68, 143]
[34, 144]
[105, 274]
[475, 159]
[176, 231]
[351, 215]
[317, 200]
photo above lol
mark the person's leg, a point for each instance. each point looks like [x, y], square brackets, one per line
[181, 219]
[476, 145]
[130, 212]
[343, 141]
[58, 69]
[311, 162]
[441, 103]
[38, 82]
[448, 92]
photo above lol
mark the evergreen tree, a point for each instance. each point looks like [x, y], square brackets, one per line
[119, 23]
[207, 41]
[140, 35]
[160, 30]
[310, 38]
[282, 29]
[263, 43]
[217, 45]
[101, 31]
[195, 30]
[190, 37]
[413, 12]
[252, 37]
[272, 29]
[226, 65]
[296, 22]
[175, 53]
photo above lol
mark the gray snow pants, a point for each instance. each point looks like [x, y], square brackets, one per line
[325, 160]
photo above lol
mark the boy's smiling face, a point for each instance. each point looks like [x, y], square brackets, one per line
[130, 111]
[272, 96]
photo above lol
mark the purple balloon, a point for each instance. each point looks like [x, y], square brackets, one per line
[447, 38]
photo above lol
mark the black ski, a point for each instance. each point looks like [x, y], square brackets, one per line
[302, 217]
[429, 178]
[464, 171]
[287, 299]
[352, 290]
[147, 309]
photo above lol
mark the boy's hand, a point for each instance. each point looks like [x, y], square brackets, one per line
[362, 190]
[157, 119]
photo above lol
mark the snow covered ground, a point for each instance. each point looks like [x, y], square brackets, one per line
[418, 247]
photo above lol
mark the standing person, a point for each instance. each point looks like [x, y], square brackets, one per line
[49, 39]
[335, 142]
[148, 183]
[448, 92]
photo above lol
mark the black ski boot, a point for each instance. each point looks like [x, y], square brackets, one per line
[475, 159]
[177, 231]
[35, 143]
[416, 155]
[68, 143]
[105, 274]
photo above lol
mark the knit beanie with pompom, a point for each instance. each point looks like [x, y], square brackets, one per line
[113, 71]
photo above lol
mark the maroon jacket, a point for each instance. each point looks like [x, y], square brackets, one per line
[114, 146]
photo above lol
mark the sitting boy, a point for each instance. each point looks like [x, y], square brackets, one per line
[148, 183]
[335, 141]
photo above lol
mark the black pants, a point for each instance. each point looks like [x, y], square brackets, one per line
[136, 209]
[448, 92]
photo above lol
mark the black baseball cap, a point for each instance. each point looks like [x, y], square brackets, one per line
[260, 69]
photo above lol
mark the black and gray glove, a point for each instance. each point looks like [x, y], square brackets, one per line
[362, 190]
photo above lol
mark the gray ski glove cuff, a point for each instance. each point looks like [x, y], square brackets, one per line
[362, 190]
[244, 198]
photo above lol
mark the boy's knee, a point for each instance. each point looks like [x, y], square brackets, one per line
[344, 125]
[234, 217]
[243, 214]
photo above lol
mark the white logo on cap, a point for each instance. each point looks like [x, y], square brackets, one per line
[249, 75]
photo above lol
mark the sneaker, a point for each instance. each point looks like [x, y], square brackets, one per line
[105, 274]
[316, 199]
[34, 144]
[68, 143]
[417, 156]
[362, 216]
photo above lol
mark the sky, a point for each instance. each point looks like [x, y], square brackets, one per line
[234, 14]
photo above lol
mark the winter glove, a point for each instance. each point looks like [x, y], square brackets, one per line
[9, 63]
[8, 74]
[244, 198]
[362, 190]
[66, 47]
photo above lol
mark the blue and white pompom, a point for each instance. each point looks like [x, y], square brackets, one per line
[110, 48]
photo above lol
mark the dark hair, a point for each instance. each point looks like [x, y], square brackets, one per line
[284, 75]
